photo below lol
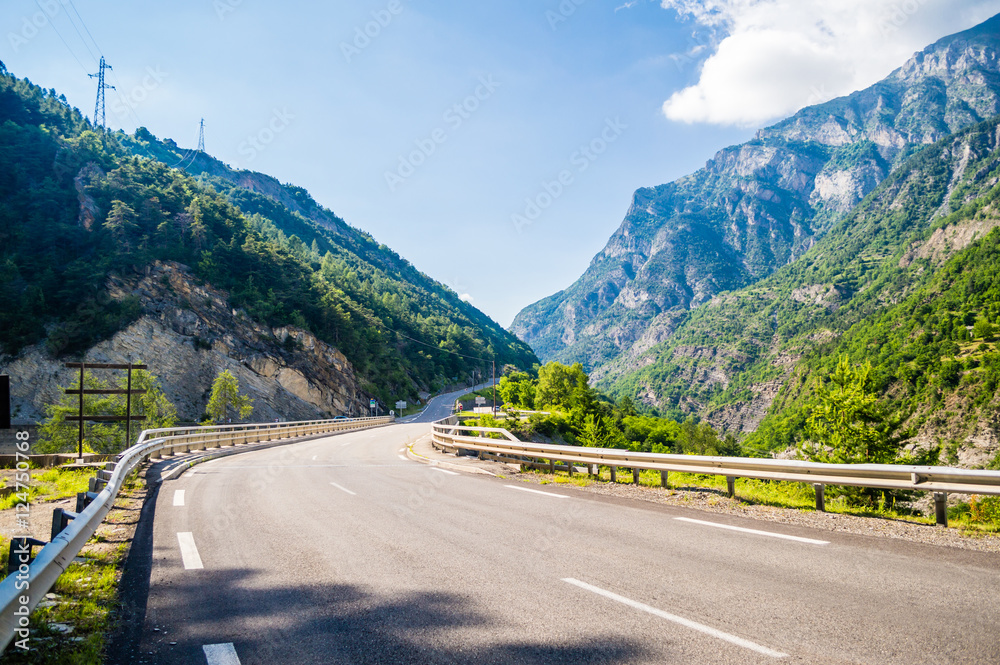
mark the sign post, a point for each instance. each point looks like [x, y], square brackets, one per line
[4, 401]
[372, 405]
[128, 392]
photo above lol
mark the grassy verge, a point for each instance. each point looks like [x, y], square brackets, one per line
[978, 517]
[72, 624]
[52, 484]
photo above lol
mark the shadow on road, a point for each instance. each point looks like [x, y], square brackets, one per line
[346, 624]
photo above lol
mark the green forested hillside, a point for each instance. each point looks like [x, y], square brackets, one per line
[77, 205]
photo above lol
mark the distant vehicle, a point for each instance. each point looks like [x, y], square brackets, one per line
[341, 418]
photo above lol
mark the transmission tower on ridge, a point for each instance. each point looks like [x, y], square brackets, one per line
[201, 136]
[101, 87]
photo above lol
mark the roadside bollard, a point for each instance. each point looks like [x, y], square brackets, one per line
[941, 508]
[820, 497]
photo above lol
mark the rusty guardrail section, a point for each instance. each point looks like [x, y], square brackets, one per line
[450, 436]
[30, 579]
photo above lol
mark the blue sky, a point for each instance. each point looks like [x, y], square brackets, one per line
[443, 128]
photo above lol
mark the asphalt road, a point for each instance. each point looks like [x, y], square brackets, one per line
[339, 550]
[440, 406]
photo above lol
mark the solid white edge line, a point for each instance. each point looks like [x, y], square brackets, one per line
[178, 497]
[189, 551]
[810, 541]
[221, 654]
[450, 473]
[344, 489]
[528, 489]
[694, 625]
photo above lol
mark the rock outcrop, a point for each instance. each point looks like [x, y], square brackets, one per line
[187, 334]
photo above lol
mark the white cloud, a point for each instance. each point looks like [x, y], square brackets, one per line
[466, 297]
[769, 58]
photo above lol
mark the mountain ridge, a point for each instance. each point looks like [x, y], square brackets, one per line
[759, 205]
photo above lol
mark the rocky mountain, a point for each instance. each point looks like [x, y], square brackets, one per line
[758, 206]
[112, 248]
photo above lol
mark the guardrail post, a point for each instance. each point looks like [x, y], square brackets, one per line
[663, 478]
[635, 476]
[83, 499]
[820, 496]
[593, 470]
[19, 547]
[60, 520]
[941, 508]
[570, 469]
[614, 473]
[552, 465]
[731, 486]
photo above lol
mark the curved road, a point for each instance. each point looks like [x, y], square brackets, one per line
[340, 550]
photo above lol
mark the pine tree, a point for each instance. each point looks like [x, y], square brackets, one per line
[226, 395]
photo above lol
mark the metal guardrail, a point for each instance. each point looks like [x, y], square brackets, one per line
[30, 581]
[449, 435]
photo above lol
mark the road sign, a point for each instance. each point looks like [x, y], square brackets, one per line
[480, 400]
[371, 403]
[401, 404]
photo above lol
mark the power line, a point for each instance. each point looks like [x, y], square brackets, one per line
[66, 44]
[84, 24]
[438, 348]
[80, 35]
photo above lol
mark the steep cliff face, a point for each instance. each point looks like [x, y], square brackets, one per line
[187, 334]
[758, 206]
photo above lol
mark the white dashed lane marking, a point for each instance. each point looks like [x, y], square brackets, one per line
[770, 534]
[694, 625]
[526, 489]
[344, 489]
[178, 497]
[221, 654]
[189, 551]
